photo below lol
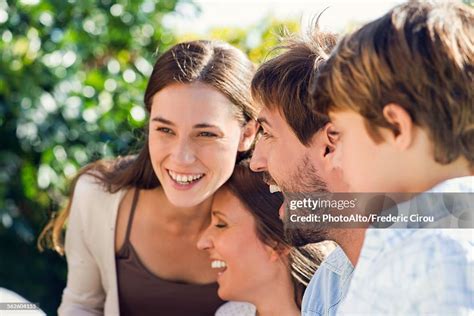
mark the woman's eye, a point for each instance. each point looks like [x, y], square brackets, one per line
[164, 130]
[221, 225]
[207, 134]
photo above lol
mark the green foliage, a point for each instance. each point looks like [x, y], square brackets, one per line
[257, 41]
[72, 77]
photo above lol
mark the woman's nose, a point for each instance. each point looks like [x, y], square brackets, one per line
[183, 153]
[205, 241]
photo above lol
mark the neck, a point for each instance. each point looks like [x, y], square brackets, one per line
[281, 292]
[177, 220]
[351, 241]
[428, 173]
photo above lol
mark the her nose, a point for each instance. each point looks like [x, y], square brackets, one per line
[183, 152]
[205, 241]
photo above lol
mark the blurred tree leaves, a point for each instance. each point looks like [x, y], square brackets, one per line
[72, 78]
[257, 41]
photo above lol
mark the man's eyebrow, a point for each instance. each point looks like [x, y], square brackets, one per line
[262, 120]
[162, 120]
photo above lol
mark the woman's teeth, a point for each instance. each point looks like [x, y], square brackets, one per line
[184, 178]
[274, 188]
[218, 264]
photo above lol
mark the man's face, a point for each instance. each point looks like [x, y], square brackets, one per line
[295, 167]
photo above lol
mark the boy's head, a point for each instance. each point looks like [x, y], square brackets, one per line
[400, 91]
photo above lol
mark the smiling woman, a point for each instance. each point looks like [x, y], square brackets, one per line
[134, 221]
[190, 124]
[247, 247]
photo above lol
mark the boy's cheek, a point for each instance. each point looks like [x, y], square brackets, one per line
[337, 158]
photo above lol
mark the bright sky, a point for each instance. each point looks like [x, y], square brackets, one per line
[248, 12]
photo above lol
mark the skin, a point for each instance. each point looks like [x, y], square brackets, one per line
[407, 152]
[192, 130]
[297, 168]
[253, 267]
[402, 162]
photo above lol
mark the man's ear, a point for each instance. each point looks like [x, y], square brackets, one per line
[402, 125]
[248, 135]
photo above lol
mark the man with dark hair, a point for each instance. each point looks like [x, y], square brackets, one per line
[295, 153]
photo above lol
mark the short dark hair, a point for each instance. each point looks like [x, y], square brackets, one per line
[283, 82]
[420, 55]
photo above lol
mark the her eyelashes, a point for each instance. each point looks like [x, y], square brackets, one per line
[164, 130]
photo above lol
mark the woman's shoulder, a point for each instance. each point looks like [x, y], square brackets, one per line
[236, 309]
[90, 183]
[90, 187]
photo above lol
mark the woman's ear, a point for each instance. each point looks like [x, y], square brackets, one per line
[402, 125]
[279, 251]
[249, 132]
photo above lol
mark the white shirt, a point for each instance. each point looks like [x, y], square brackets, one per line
[236, 309]
[415, 271]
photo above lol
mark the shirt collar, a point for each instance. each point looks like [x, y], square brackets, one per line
[338, 263]
[461, 184]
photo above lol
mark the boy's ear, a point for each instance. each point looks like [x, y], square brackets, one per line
[329, 138]
[248, 135]
[402, 125]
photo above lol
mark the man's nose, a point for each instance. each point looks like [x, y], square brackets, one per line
[258, 162]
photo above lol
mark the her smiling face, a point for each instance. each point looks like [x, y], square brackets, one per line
[193, 141]
[244, 263]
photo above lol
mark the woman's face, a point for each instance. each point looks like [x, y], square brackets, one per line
[245, 265]
[193, 141]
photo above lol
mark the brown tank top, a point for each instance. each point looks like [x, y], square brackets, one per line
[143, 293]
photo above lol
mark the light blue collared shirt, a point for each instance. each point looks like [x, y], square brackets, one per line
[415, 271]
[328, 286]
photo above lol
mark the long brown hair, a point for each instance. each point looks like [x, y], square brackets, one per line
[216, 63]
[250, 188]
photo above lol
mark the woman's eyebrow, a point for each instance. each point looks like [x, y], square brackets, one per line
[162, 120]
[218, 213]
[168, 122]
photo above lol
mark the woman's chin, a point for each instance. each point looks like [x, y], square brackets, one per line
[225, 295]
[184, 199]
